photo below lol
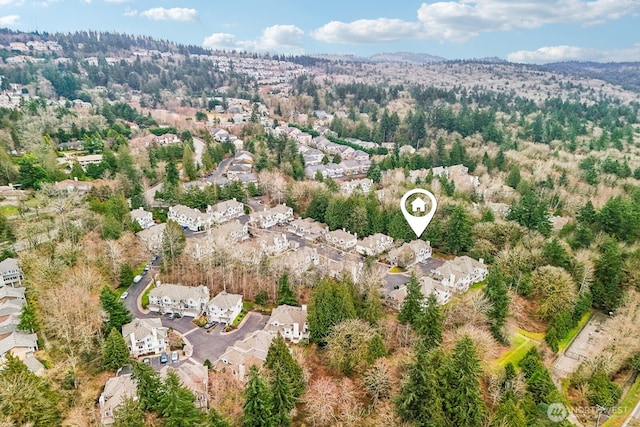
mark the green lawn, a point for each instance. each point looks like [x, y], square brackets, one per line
[519, 347]
[478, 285]
[144, 300]
[396, 270]
[536, 336]
[573, 332]
[241, 316]
[626, 406]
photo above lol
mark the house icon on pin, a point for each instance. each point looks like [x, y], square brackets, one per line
[418, 205]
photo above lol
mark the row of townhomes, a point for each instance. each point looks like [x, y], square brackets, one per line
[20, 344]
[317, 152]
[452, 277]
[194, 220]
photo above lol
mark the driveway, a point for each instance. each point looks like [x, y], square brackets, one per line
[212, 343]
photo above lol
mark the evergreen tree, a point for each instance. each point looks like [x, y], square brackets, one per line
[28, 318]
[129, 414]
[412, 306]
[188, 163]
[279, 356]
[282, 395]
[420, 400]
[458, 237]
[463, 398]
[150, 386]
[429, 324]
[285, 294]
[496, 292]
[214, 419]
[509, 414]
[555, 254]
[172, 176]
[176, 404]
[126, 275]
[607, 288]
[258, 407]
[115, 353]
[117, 312]
[331, 302]
[371, 307]
[27, 399]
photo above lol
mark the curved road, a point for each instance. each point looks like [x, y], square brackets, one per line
[207, 344]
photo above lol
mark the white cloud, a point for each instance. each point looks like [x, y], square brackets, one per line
[9, 20]
[180, 14]
[274, 39]
[11, 2]
[561, 53]
[367, 31]
[130, 12]
[222, 41]
[117, 1]
[461, 20]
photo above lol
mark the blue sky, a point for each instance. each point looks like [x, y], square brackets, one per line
[519, 30]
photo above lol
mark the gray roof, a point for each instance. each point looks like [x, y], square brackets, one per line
[180, 292]
[225, 300]
[9, 264]
[143, 327]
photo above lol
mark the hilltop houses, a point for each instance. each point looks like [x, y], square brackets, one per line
[460, 273]
[342, 239]
[226, 211]
[269, 217]
[152, 237]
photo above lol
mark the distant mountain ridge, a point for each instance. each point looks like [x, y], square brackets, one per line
[625, 74]
[418, 58]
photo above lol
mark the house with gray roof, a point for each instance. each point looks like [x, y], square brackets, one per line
[290, 322]
[142, 217]
[238, 358]
[224, 308]
[374, 245]
[190, 218]
[225, 211]
[183, 300]
[152, 237]
[20, 345]
[145, 336]
[342, 239]
[115, 392]
[11, 273]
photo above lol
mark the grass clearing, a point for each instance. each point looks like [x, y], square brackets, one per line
[536, 336]
[519, 347]
[239, 318]
[564, 343]
[624, 408]
[396, 270]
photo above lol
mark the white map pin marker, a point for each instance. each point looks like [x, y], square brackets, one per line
[418, 223]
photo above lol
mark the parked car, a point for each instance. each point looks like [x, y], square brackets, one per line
[137, 278]
[146, 360]
[210, 325]
[164, 358]
[124, 295]
[172, 316]
[174, 357]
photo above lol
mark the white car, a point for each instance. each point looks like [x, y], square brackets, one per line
[174, 357]
[124, 295]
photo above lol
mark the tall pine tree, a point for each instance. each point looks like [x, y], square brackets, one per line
[412, 306]
[258, 406]
[115, 353]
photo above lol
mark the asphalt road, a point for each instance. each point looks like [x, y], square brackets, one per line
[207, 344]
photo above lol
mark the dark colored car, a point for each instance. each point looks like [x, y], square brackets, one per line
[164, 358]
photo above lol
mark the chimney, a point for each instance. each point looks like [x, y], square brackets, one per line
[304, 307]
